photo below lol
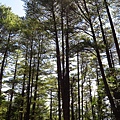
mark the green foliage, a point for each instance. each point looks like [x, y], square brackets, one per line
[9, 21]
[3, 108]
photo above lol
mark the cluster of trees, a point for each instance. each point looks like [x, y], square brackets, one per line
[60, 61]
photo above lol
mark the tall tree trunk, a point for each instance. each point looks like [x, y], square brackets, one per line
[59, 73]
[27, 115]
[99, 100]
[66, 80]
[3, 63]
[22, 102]
[82, 98]
[36, 83]
[91, 100]
[86, 111]
[12, 92]
[32, 79]
[78, 72]
[23, 88]
[104, 40]
[63, 51]
[72, 100]
[113, 30]
[111, 56]
[63, 61]
[51, 105]
[82, 87]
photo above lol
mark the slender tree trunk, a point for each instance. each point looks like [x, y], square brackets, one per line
[27, 115]
[76, 115]
[82, 98]
[99, 101]
[12, 92]
[104, 40]
[66, 109]
[113, 30]
[111, 56]
[78, 86]
[63, 61]
[83, 77]
[35, 97]
[86, 109]
[51, 105]
[3, 63]
[22, 102]
[60, 82]
[82, 88]
[36, 83]
[72, 100]
[23, 88]
[32, 79]
[92, 107]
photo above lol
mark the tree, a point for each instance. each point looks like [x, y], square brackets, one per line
[113, 30]
[10, 25]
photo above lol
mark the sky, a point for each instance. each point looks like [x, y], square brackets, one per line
[16, 6]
